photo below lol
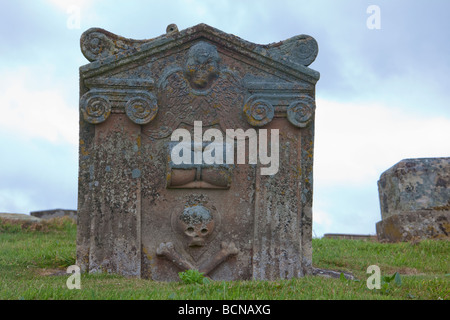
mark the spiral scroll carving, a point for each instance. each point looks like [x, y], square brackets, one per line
[300, 112]
[306, 50]
[95, 108]
[301, 49]
[258, 112]
[142, 109]
[96, 45]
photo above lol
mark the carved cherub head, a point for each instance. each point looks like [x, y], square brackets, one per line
[201, 68]
[197, 224]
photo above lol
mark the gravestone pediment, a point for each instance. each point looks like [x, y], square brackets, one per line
[109, 52]
[141, 212]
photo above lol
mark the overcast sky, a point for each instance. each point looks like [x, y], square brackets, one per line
[383, 95]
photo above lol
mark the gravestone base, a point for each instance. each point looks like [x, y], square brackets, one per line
[407, 226]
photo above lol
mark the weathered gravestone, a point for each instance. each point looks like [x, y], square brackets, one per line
[415, 200]
[196, 152]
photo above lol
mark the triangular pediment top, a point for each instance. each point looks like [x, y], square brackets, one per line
[108, 51]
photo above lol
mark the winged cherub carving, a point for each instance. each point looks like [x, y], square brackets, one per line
[201, 90]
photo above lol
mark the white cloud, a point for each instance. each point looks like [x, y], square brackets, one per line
[66, 5]
[321, 220]
[14, 201]
[356, 142]
[38, 110]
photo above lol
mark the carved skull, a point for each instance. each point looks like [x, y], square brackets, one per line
[196, 223]
[201, 67]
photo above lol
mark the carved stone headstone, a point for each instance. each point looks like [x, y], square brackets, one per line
[415, 200]
[240, 116]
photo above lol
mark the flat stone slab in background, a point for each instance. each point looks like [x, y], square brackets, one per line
[350, 236]
[19, 216]
[48, 214]
[332, 274]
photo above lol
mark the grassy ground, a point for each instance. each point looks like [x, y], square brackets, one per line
[31, 254]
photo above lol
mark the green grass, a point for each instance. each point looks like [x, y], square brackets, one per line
[30, 254]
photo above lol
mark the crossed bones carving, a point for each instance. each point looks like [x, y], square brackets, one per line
[167, 250]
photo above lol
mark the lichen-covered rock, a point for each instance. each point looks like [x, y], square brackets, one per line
[409, 226]
[415, 184]
[415, 200]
